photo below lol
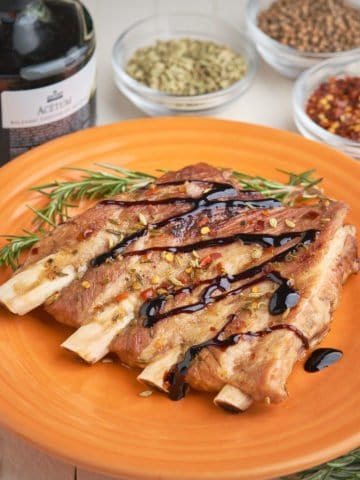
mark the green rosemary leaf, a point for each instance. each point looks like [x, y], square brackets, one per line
[41, 216]
[9, 253]
[62, 196]
[299, 186]
[346, 467]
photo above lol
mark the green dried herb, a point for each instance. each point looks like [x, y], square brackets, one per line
[343, 468]
[186, 66]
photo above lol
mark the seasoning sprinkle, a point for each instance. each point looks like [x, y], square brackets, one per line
[155, 280]
[142, 219]
[85, 284]
[204, 230]
[146, 393]
[273, 222]
[289, 223]
[176, 282]
[256, 253]
[169, 257]
[136, 286]
[186, 66]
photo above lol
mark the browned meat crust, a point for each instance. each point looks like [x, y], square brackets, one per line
[150, 265]
[85, 226]
[260, 366]
[138, 345]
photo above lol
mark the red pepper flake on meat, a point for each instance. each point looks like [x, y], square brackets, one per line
[204, 221]
[121, 296]
[148, 294]
[335, 106]
[206, 261]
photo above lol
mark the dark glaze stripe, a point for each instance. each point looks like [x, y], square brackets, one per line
[284, 297]
[176, 376]
[322, 358]
[207, 203]
[265, 240]
[205, 300]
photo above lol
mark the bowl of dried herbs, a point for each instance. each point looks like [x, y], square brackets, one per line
[183, 64]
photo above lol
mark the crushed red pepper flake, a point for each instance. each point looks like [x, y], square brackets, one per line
[121, 296]
[203, 221]
[335, 106]
[206, 261]
[148, 294]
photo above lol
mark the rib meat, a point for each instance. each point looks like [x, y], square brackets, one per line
[65, 254]
[198, 281]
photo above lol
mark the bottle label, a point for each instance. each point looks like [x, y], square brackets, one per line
[31, 117]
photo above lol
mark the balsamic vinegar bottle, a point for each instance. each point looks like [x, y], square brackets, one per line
[47, 72]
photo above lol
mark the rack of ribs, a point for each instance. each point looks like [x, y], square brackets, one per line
[198, 282]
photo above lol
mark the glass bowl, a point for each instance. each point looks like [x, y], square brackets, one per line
[164, 27]
[286, 60]
[347, 64]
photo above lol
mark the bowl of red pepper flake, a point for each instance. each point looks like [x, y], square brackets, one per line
[326, 101]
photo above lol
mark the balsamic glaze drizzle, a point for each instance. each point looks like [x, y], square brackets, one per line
[322, 358]
[208, 202]
[175, 377]
[284, 297]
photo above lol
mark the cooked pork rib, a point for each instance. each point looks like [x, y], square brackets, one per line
[65, 253]
[201, 283]
[260, 366]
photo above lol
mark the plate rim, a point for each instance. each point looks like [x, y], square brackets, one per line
[134, 125]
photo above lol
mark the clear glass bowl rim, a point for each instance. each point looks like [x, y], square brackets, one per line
[300, 112]
[145, 90]
[285, 48]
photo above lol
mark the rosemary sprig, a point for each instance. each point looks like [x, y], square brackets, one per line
[343, 468]
[301, 186]
[61, 196]
[9, 253]
[92, 184]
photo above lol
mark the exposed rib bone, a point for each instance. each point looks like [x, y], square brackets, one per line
[153, 374]
[37, 282]
[91, 341]
[32, 287]
[232, 399]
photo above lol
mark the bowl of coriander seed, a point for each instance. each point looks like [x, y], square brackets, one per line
[183, 64]
[294, 35]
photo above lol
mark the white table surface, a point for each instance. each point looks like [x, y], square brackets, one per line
[268, 102]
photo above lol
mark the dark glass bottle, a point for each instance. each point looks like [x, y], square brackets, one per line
[47, 72]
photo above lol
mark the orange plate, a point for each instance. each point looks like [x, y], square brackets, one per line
[93, 416]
